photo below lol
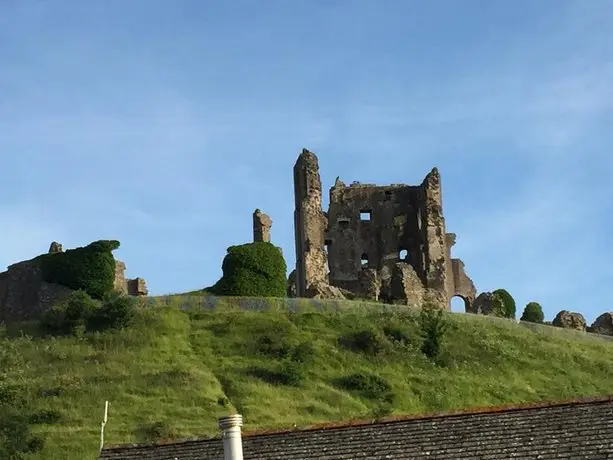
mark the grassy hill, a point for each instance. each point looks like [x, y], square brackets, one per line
[183, 364]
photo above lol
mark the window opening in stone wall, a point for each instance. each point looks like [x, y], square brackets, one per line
[364, 261]
[343, 222]
[402, 254]
[365, 214]
[388, 195]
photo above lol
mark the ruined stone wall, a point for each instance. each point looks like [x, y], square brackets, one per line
[309, 224]
[369, 227]
[128, 286]
[463, 286]
[24, 295]
[368, 231]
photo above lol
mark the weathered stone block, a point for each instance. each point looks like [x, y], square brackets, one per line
[262, 224]
[569, 320]
[55, 247]
[603, 324]
[369, 284]
[406, 287]
[137, 287]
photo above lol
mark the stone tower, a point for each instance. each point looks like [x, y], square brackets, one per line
[310, 223]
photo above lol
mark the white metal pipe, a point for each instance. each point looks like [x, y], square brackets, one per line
[231, 434]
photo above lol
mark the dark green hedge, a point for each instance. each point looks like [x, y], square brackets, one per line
[252, 270]
[90, 268]
[533, 313]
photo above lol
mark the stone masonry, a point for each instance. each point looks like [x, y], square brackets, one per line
[262, 224]
[310, 224]
[373, 227]
[25, 295]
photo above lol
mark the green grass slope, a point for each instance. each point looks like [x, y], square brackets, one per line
[180, 366]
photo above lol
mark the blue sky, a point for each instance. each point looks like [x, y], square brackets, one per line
[164, 124]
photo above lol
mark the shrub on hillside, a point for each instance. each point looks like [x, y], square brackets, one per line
[67, 317]
[252, 270]
[368, 341]
[115, 312]
[369, 385]
[16, 439]
[288, 373]
[273, 345]
[82, 313]
[156, 431]
[303, 353]
[433, 326]
[506, 302]
[397, 335]
[90, 268]
[533, 313]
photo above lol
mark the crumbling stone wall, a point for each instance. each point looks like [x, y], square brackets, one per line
[460, 284]
[309, 224]
[134, 286]
[25, 295]
[370, 227]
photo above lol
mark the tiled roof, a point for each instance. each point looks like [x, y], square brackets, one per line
[575, 429]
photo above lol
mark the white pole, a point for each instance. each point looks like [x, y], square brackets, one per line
[106, 413]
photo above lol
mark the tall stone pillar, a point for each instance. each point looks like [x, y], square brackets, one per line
[309, 223]
[436, 263]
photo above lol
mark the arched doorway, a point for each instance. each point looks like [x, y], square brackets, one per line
[458, 304]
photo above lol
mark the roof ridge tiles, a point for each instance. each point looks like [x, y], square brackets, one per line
[509, 407]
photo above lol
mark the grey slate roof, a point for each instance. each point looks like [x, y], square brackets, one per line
[575, 429]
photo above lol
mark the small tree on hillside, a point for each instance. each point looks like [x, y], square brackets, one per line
[433, 327]
[533, 313]
[505, 302]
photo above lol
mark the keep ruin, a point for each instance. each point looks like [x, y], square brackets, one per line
[378, 242]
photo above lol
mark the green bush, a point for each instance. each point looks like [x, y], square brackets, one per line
[533, 313]
[433, 327]
[116, 311]
[46, 417]
[65, 318]
[368, 341]
[288, 373]
[397, 335]
[303, 353]
[369, 385]
[81, 313]
[90, 268]
[273, 345]
[16, 439]
[156, 431]
[252, 270]
[508, 303]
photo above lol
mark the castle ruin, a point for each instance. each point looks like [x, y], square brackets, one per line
[375, 242]
[25, 295]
